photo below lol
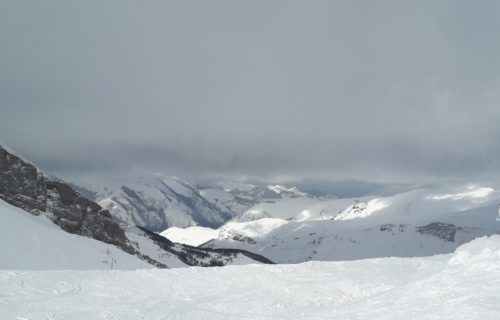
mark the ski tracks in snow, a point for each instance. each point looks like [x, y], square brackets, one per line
[463, 285]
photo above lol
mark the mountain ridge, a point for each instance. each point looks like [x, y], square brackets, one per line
[24, 186]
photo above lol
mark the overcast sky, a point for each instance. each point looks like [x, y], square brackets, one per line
[378, 90]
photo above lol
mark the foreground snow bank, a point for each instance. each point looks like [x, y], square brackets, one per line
[463, 285]
[482, 253]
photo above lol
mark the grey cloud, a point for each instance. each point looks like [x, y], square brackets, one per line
[264, 89]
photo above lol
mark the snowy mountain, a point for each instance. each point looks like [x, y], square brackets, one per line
[461, 285]
[421, 222]
[283, 208]
[36, 243]
[281, 224]
[61, 224]
[157, 202]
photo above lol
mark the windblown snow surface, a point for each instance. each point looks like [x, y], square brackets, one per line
[462, 285]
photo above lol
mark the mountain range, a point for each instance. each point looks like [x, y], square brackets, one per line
[421, 222]
[65, 227]
[167, 222]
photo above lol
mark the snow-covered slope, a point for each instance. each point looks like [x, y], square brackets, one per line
[24, 186]
[462, 285]
[284, 208]
[193, 236]
[416, 223]
[36, 243]
[250, 202]
[157, 202]
[225, 200]
[189, 255]
[56, 204]
[254, 193]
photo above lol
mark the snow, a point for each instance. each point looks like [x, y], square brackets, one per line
[230, 185]
[224, 200]
[193, 236]
[158, 202]
[362, 210]
[370, 237]
[253, 229]
[368, 227]
[34, 242]
[414, 205]
[473, 193]
[462, 285]
[151, 249]
[285, 208]
[196, 236]
[281, 189]
[178, 186]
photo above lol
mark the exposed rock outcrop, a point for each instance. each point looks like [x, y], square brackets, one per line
[444, 231]
[21, 183]
[25, 186]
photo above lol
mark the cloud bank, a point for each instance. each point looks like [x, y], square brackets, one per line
[382, 90]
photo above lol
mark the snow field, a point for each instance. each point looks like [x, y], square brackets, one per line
[462, 285]
[35, 243]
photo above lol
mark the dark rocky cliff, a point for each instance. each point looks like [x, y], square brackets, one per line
[21, 183]
[26, 187]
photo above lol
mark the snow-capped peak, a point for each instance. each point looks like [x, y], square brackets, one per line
[362, 209]
[279, 189]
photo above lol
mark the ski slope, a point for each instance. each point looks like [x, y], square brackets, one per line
[36, 243]
[462, 285]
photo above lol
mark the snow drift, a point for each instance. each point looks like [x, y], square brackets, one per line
[462, 285]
